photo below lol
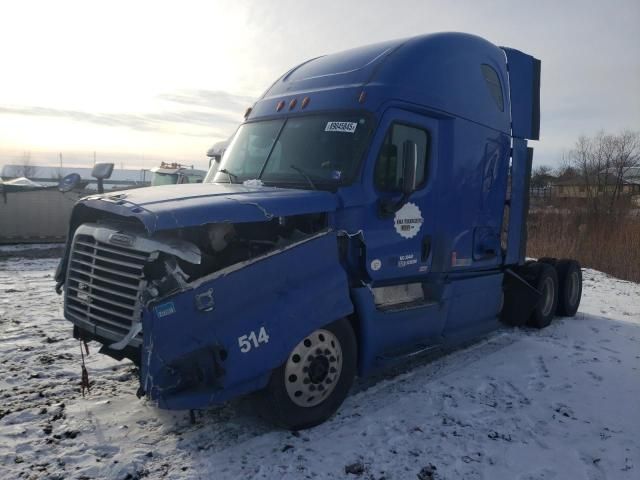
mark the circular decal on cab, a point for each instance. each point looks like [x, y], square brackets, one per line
[376, 264]
[408, 220]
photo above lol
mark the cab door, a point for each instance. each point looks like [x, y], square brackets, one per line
[400, 226]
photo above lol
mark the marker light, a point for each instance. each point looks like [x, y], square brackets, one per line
[362, 97]
[292, 103]
[280, 105]
[305, 102]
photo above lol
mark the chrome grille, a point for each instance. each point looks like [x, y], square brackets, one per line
[103, 286]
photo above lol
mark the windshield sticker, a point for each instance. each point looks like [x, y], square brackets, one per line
[408, 220]
[344, 127]
[336, 174]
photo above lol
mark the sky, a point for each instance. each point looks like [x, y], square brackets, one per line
[137, 82]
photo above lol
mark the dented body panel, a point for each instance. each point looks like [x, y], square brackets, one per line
[182, 364]
[177, 206]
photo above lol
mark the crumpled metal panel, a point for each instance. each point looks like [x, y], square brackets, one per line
[178, 206]
[193, 353]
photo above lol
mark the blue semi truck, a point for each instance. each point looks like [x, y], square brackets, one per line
[371, 206]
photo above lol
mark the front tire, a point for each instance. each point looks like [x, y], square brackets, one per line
[314, 380]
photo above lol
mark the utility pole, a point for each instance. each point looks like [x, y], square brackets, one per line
[94, 157]
[60, 154]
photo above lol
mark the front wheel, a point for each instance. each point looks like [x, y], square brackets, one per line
[314, 381]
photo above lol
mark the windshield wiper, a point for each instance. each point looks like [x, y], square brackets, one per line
[229, 174]
[308, 178]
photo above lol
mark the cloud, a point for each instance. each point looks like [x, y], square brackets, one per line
[219, 112]
[216, 99]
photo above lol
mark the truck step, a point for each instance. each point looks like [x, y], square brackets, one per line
[400, 307]
[408, 352]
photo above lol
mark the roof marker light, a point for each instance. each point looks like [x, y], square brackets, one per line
[280, 105]
[292, 103]
[305, 102]
[362, 97]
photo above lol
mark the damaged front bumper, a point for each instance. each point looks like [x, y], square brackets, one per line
[106, 281]
[221, 335]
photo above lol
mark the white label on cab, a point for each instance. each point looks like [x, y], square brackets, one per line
[408, 220]
[344, 127]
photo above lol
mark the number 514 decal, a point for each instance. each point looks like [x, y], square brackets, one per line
[247, 342]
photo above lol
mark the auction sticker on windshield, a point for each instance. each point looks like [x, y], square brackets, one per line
[345, 127]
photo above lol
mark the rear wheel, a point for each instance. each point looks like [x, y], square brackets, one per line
[314, 381]
[546, 282]
[569, 287]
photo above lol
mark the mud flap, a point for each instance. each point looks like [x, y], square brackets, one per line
[520, 298]
[197, 353]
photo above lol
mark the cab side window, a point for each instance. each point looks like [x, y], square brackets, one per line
[389, 168]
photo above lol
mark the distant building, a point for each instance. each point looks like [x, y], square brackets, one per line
[50, 176]
[578, 187]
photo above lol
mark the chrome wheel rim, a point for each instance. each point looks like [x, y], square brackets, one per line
[313, 369]
[547, 291]
[574, 288]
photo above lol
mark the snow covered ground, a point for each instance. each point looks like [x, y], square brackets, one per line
[560, 403]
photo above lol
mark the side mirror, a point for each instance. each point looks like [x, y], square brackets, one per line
[100, 172]
[409, 166]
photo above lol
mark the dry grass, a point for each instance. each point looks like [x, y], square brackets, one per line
[611, 245]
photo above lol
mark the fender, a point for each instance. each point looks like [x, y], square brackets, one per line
[193, 354]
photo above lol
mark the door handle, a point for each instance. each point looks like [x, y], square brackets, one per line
[426, 247]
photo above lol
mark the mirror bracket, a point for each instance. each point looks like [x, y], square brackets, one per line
[409, 177]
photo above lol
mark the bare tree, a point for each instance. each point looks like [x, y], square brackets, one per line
[26, 168]
[626, 154]
[565, 169]
[540, 176]
[601, 162]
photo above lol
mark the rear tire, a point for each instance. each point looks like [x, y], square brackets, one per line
[546, 281]
[548, 260]
[569, 287]
[314, 381]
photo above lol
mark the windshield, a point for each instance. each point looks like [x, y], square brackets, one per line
[316, 151]
[163, 179]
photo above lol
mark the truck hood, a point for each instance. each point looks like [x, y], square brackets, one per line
[178, 206]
